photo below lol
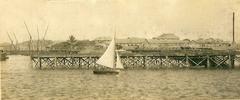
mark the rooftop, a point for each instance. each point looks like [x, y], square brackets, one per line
[167, 36]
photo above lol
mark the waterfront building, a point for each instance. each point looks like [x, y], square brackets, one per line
[166, 41]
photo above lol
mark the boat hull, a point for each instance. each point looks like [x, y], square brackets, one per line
[106, 72]
[3, 56]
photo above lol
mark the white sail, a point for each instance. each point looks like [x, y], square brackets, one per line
[108, 58]
[119, 63]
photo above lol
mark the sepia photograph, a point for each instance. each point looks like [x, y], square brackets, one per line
[120, 49]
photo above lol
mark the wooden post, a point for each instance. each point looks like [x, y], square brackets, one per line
[144, 62]
[55, 62]
[79, 62]
[187, 61]
[208, 61]
[40, 62]
[168, 64]
[72, 61]
[231, 61]
[64, 61]
[89, 59]
[178, 63]
[161, 62]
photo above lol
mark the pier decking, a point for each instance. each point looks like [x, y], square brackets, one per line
[137, 62]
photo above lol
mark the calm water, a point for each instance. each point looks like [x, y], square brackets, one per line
[20, 81]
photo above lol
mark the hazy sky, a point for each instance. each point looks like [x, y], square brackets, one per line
[88, 19]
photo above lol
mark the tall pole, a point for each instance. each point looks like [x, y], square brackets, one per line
[17, 47]
[233, 41]
[232, 57]
[43, 39]
[11, 42]
[38, 41]
[30, 38]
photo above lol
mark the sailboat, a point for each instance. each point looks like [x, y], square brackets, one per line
[109, 61]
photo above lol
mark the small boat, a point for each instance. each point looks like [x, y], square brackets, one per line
[109, 61]
[3, 56]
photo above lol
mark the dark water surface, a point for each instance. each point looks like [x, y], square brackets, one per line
[20, 82]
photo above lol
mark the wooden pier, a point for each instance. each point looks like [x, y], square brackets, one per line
[137, 62]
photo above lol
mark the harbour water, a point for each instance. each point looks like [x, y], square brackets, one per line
[19, 81]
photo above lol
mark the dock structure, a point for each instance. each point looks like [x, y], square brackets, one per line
[137, 62]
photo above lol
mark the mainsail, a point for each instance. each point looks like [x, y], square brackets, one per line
[108, 58]
[119, 64]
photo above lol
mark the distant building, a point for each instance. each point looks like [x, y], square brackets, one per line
[167, 36]
[165, 41]
[103, 39]
[131, 42]
[102, 42]
[6, 46]
[216, 44]
[163, 44]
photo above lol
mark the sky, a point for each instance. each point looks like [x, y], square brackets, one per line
[88, 19]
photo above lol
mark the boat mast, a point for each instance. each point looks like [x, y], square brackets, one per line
[114, 54]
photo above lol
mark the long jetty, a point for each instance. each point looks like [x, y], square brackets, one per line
[138, 61]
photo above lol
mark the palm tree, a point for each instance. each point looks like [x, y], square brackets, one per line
[72, 40]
